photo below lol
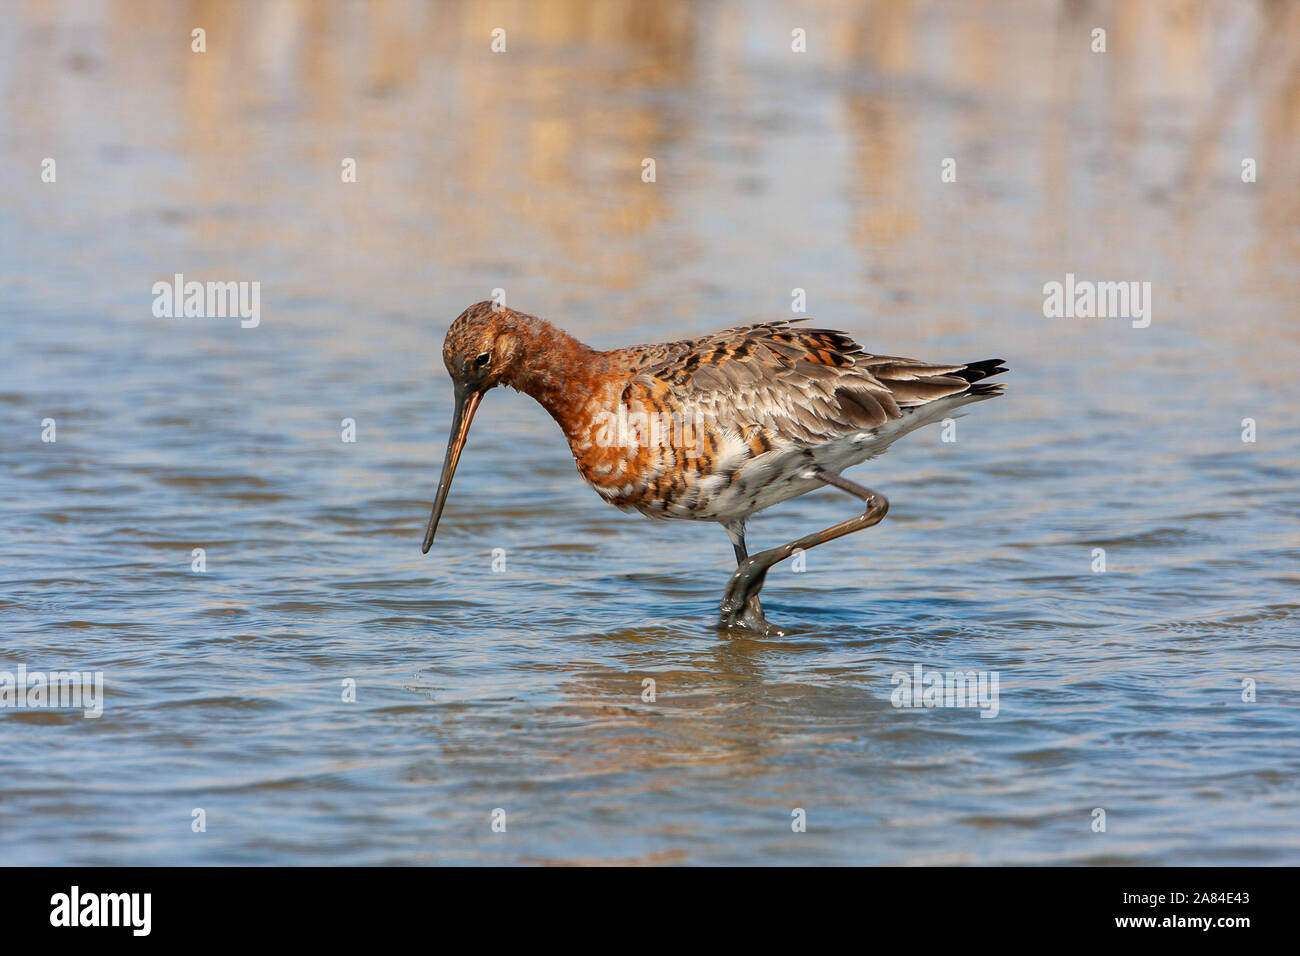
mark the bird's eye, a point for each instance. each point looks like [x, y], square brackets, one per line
[482, 360]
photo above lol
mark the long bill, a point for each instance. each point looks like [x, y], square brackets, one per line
[466, 405]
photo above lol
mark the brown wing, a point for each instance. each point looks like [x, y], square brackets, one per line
[801, 384]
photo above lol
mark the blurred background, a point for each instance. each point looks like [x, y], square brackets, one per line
[520, 689]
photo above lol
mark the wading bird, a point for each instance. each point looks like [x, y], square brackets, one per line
[758, 415]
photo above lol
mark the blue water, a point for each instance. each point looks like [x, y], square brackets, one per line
[519, 688]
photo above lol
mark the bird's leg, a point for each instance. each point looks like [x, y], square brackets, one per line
[742, 590]
[753, 617]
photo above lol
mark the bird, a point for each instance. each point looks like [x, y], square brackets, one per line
[715, 428]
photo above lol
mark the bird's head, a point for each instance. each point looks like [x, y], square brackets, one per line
[480, 352]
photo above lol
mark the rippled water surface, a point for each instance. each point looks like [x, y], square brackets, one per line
[521, 688]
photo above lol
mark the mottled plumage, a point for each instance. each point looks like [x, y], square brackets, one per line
[771, 400]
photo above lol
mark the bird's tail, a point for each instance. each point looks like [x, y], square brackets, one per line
[975, 372]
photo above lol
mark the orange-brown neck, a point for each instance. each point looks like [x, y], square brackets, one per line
[557, 370]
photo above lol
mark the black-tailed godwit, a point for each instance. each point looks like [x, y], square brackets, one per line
[711, 429]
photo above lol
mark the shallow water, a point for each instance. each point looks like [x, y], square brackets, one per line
[520, 688]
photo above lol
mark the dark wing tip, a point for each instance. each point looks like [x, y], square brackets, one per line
[983, 369]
